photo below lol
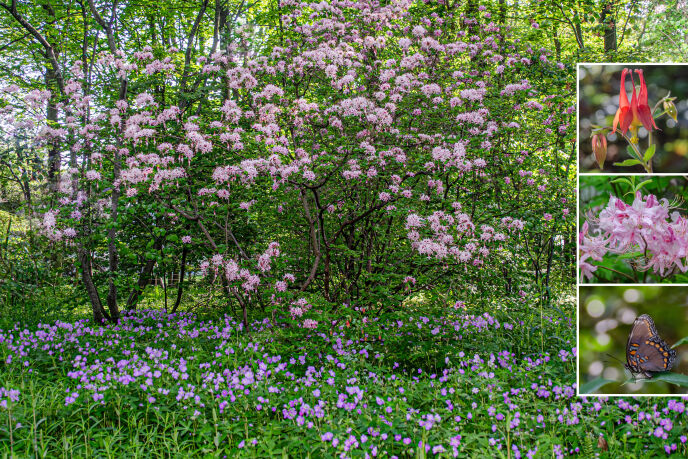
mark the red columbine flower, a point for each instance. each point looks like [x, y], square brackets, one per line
[624, 115]
[636, 113]
[643, 111]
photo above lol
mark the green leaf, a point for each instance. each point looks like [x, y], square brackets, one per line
[672, 378]
[622, 180]
[642, 184]
[679, 342]
[591, 386]
[649, 153]
[172, 238]
[628, 162]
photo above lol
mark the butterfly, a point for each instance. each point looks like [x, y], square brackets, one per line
[646, 352]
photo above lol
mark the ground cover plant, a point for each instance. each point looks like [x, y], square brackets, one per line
[391, 386]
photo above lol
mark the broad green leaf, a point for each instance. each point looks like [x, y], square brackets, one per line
[672, 378]
[649, 153]
[591, 386]
[628, 162]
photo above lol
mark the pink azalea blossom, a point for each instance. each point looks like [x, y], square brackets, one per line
[647, 226]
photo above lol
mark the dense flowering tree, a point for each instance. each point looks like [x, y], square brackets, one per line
[362, 151]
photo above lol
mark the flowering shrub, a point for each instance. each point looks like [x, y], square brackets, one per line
[647, 229]
[366, 154]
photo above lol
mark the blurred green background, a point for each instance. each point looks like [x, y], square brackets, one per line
[606, 315]
[598, 100]
[594, 196]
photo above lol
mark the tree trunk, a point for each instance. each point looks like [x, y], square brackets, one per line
[113, 257]
[144, 279]
[471, 17]
[99, 314]
[180, 288]
[609, 24]
[54, 158]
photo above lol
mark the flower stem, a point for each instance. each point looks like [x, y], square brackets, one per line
[618, 272]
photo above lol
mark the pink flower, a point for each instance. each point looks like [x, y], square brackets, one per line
[586, 268]
[186, 239]
[646, 227]
[310, 323]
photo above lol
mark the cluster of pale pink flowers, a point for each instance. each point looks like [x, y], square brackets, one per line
[455, 235]
[647, 227]
[298, 308]
[242, 277]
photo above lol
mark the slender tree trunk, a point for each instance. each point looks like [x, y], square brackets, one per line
[549, 264]
[54, 158]
[471, 14]
[99, 314]
[609, 24]
[113, 259]
[180, 288]
[113, 256]
[144, 279]
[557, 42]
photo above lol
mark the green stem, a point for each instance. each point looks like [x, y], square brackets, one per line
[649, 144]
[638, 156]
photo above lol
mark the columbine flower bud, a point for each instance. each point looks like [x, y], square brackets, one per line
[670, 109]
[599, 148]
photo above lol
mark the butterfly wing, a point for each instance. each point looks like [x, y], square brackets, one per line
[646, 352]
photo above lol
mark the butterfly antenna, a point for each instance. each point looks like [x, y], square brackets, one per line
[615, 358]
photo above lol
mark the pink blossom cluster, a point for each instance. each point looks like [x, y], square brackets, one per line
[241, 279]
[298, 308]
[646, 227]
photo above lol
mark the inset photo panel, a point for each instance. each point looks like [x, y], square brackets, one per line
[633, 118]
[633, 340]
[633, 229]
